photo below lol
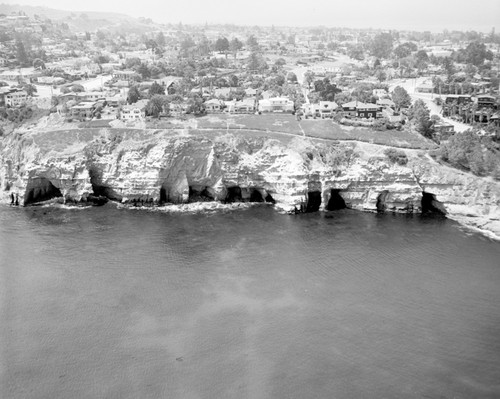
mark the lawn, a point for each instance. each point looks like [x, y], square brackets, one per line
[317, 128]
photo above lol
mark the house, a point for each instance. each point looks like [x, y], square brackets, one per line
[323, 109]
[83, 110]
[134, 112]
[169, 83]
[214, 105]
[350, 109]
[443, 130]
[425, 87]
[457, 99]
[50, 80]
[245, 106]
[250, 92]
[276, 104]
[92, 95]
[15, 98]
[367, 110]
[391, 115]
[361, 110]
[124, 75]
[177, 109]
[386, 103]
[380, 93]
[223, 92]
[486, 101]
[114, 101]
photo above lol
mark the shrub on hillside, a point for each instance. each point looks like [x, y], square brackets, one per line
[396, 156]
[467, 150]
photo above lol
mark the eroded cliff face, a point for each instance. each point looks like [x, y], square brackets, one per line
[297, 174]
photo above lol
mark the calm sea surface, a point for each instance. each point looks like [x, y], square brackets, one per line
[115, 303]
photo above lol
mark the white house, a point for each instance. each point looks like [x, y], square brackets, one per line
[16, 98]
[134, 112]
[276, 104]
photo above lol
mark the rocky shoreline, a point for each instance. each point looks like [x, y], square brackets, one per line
[296, 175]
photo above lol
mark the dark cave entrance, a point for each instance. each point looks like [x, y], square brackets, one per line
[430, 205]
[269, 198]
[234, 194]
[313, 201]
[163, 195]
[381, 199]
[40, 189]
[256, 195]
[199, 194]
[336, 202]
[101, 191]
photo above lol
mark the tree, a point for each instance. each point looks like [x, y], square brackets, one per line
[29, 89]
[291, 77]
[476, 53]
[222, 45]
[252, 43]
[401, 97]
[405, 49]
[156, 89]
[133, 95]
[21, 55]
[326, 89]
[156, 105]
[449, 67]
[381, 46]
[195, 105]
[309, 78]
[356, 52]
[39, 64]
[203, 47]
[77, 88]
[256, 62]
[422, 56]
[160, 39]
[187, 45]
[381, 75]
[419, 115]
[280, 62]
[144, 71]
[235, 45]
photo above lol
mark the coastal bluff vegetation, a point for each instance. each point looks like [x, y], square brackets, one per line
[295, 168]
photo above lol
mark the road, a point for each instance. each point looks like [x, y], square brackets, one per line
[410, 86]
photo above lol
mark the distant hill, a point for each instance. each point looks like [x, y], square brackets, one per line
[84, 21]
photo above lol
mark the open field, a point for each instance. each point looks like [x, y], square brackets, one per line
[323, 129]
[278, 126]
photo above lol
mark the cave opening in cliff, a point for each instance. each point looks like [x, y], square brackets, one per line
[430, 205]
[336, 202]
[99, 189]
[270, 199]
[256, 195]
[199, 194]
[381, 201]
[234, 194]
[163, 195]
[313, 201]
[40, 189]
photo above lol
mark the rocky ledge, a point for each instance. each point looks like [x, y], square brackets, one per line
[296, 174]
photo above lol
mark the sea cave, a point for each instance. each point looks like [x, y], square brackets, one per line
[336, 202]
[40, 189]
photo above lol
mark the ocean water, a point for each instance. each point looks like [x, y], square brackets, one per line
[245, 303]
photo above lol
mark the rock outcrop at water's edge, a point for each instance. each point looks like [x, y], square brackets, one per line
[298, 175]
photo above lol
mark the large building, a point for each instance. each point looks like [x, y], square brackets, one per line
[276, 104]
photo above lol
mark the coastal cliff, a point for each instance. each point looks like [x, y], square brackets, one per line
[297, 174]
